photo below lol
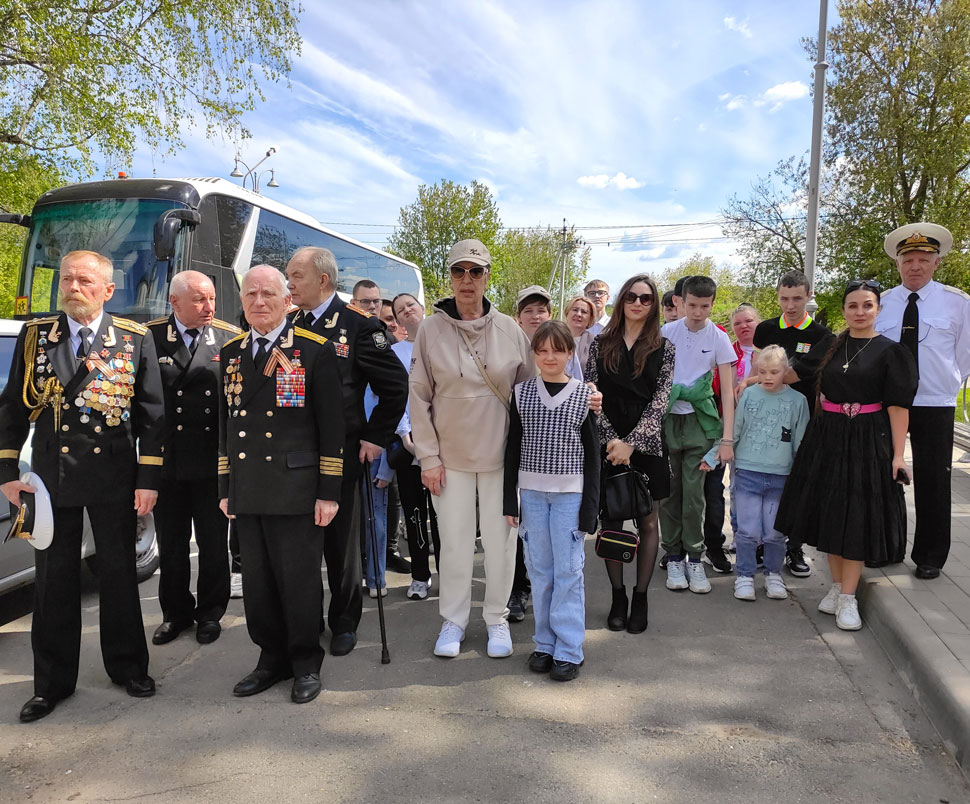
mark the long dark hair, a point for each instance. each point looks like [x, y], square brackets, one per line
[611, 338]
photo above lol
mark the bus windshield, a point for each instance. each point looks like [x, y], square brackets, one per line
[120, 229]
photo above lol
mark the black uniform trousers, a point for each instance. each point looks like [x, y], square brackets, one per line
[417, 511]
[180, 503]
[55, 634]
[341, 551]
[282, 555]
[931, 439]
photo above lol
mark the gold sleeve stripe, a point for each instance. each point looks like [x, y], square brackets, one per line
[9, 453]
[223, 471]
[149, 460]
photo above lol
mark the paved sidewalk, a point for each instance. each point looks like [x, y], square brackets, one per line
[924, 626]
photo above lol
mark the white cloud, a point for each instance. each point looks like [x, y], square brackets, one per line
[601, 181]
[736, 102]
[738, 27]
[788, 91]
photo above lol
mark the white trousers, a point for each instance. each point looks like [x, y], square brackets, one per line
[455, 507]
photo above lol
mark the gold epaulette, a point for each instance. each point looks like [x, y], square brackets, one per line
[34, 322]
[225, 325]
[957, 291]
[128, 324]
[357, 309]
[163, 320]
[238, 337]
[312, 336]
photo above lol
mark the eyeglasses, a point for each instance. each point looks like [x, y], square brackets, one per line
[457, 272]
[855, 284]
[368, 302]
[630, 297]
[596, 294]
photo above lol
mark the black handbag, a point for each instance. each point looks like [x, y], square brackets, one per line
[398, 457]
[617, 545]
[625, 495]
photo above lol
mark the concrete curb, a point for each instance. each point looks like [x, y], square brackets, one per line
[937, 680]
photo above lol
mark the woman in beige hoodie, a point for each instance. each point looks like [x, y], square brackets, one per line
[459, 424]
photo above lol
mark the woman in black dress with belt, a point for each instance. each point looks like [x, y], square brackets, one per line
[842, 495]
[633, 366]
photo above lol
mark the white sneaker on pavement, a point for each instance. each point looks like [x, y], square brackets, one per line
[775, 587]
[675, 575]
[373, 592]
[847, 616]
[418, 590]
[499, 641]
[449, 640]
[830, 603]
[744, 588]
[235, 584]
[697, 578]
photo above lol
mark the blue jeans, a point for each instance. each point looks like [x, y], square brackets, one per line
[380, 524]
[555, 552]
[756, 498]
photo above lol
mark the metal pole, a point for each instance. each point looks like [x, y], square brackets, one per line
[815, 168]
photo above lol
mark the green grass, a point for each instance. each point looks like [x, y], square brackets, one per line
[958, 415]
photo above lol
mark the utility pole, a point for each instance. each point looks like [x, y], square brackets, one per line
[815, 168]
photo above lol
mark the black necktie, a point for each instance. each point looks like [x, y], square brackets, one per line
[85, 335]
[262, 352]
[194, 334]
[304, 319]
[910, 333]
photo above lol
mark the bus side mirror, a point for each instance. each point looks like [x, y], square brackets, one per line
[167, 226]
[16, 220]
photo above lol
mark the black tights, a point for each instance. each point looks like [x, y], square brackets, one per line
[649, 531]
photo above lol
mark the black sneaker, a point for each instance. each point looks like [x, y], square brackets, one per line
[540, 662]
[664, 560]
[796, 563]
[518, 603]
[759, 556]
[564, 671]
[718, 560]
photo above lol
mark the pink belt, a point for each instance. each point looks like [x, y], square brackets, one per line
[850, 409]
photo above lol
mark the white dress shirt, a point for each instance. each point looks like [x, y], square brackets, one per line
[75, 328]
[183, 331]
[944, 338]
[272, 336]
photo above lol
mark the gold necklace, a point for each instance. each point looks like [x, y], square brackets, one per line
[845, 365]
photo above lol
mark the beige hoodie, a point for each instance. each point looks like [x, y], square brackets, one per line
[456, 420]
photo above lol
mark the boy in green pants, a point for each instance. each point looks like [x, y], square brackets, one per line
[691, 427]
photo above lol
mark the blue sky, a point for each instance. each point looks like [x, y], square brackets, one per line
[610, 114]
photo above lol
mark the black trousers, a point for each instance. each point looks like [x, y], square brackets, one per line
[341, 552]
[520, 580]
[394, 518]
[282, 556]
[180, 503]
[417, 512]
[714, 507]
[931, 438]
[55, 633]
[235, 564]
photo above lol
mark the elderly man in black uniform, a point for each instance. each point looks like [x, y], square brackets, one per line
[364, 357]
[188, 343]
[89, 381]
[281, 439]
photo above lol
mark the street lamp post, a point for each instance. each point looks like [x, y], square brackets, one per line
[251, 172]
[815, 166]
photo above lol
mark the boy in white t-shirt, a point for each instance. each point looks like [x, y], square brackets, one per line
[691, 427]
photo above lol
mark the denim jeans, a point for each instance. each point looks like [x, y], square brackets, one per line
[756, 498]
[380, 524]
[555, 552]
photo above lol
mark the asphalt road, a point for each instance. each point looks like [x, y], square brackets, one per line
[718, 701]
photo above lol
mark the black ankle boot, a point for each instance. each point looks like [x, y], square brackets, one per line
[638, 613]
[616, 620]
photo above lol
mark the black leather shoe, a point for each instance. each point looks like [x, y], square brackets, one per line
[166, 632]
[398, 563]
[143, 687]
[259, 681]
[564, 671]
[342, 644]
[306, 688]
[926, 572]
[796, 563]
[540, 662]
[616, 619]
[36, 708]
[637, 622]
[208, 632]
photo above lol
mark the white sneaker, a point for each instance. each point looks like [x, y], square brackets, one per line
[830, 603]
[775, 587]
[449, 640]
[235, 584]
[373, 592]
[675, 575]
[847, 616]
[697, 578]
[418, 590]
[744, 588]
[499, 641]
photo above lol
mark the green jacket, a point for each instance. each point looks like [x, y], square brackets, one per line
[701, 396]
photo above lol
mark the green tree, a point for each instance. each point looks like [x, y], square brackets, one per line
[443, 214]
[82, 78]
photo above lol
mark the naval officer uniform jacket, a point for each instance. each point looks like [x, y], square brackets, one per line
[97, 437]
[190, 492]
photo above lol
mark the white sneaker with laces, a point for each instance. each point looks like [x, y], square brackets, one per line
[373, 592]
[418, 590]
[675, 575]
[744, 588]
[449, 640]
[697, 578]
[775, 587]
[235, 584]
[847, 616]
[830, 603]
[499, 641]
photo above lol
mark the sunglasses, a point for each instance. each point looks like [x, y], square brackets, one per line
[629, 297]
[457, 272]
[871, 284]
